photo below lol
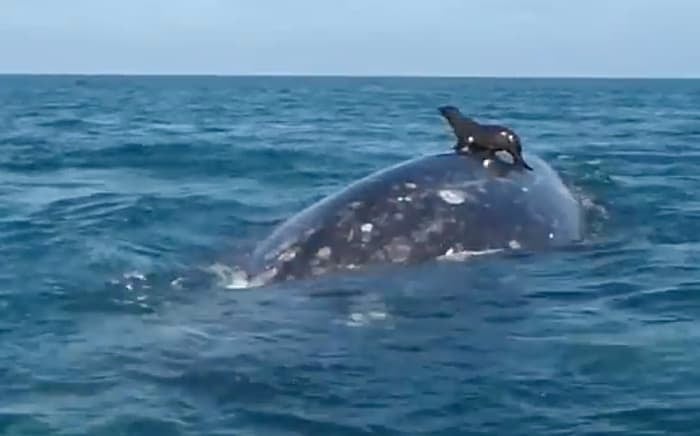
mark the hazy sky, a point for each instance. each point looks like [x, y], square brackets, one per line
[350, 37]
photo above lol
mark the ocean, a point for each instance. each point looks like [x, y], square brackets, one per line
[126, 201]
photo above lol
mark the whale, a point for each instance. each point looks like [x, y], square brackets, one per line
[432, 207]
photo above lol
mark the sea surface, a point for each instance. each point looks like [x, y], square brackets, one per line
[125, 202]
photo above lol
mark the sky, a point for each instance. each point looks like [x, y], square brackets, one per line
[513, 38]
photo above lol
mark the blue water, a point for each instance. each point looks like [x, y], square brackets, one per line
[124, 201]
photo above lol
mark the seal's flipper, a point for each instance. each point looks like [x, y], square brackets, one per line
[519, 160]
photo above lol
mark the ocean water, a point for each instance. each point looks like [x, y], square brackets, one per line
[126, 200]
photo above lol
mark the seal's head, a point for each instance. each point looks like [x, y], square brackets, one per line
[455, 119]
[465, 129]
[449, 111]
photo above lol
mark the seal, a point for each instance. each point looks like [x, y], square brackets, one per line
[423, 209]
[475, 137]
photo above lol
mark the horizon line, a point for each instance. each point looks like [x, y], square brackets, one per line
[348, 76]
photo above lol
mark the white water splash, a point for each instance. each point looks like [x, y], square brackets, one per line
[231, 277]
[460, 256]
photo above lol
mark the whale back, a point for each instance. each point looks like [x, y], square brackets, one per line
[422, 209]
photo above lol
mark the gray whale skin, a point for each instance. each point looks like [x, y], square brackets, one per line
[432, 207]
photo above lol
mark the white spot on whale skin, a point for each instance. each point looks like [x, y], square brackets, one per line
[551, 236]
[378, 256]
[514, 244]
[287, 256]
[487, 163]
[366, 230]
[400, 253]
[324, 253]
[452, 196]
[350, 235]
[410, 185]
[419, 236]
[317, 271]
[399, 250]
[524, 189]
[435, 227]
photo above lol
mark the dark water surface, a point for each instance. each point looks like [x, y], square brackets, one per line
[120, 195]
